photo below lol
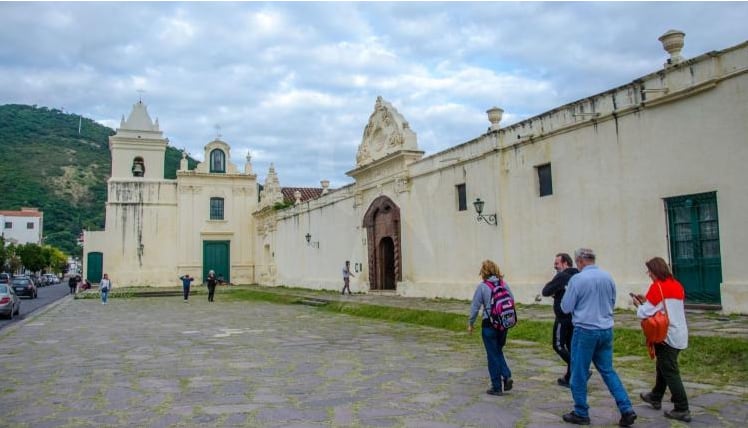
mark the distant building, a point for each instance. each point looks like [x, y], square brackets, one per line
[22, 227]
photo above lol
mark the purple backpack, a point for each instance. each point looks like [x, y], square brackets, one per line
[502, 313]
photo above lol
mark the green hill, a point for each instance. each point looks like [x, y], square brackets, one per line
[46, 163]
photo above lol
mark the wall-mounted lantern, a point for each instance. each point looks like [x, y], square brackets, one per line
[309, 242]
[490, 218]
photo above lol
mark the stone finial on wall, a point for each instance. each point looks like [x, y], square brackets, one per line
[325, 185]
[494, 116]
[183, 165]
[297, 196]
[248, 165]
[672, 42]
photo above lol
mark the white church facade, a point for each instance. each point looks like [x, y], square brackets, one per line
[651, 168]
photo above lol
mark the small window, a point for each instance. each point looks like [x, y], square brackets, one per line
[8, 225]
[29, 225]
[461, 197]
[216, 208]
[545, 180]
[217, 161]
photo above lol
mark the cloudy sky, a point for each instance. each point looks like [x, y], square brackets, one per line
[295, 83]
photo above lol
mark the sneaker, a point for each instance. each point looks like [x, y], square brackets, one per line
[647, 398]
[627, 419]
[679, 415]
[492, 391]
[508, 384]
[574, 418]
[563, 382]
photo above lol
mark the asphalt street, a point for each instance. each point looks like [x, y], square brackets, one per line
[46, 295]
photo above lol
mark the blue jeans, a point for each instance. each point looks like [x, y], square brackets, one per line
[104, 295]
[594, 346]
[494, 341]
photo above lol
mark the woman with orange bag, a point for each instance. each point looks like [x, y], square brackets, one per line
[666, 290]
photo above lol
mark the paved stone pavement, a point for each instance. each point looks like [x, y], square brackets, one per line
[159, 362]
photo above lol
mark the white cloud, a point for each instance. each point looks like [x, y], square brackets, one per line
[295, 83]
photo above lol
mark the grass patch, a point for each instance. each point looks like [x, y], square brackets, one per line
[122, 293]
[715, 360]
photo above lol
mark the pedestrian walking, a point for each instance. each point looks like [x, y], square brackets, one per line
[563, 329]
[72, 283]
[493, 339]
[346, 277]
[105, 286]
[212, 281]
[666, 292]
[186, 281]
[590, 298]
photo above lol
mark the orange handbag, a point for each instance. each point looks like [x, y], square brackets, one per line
[655, 327]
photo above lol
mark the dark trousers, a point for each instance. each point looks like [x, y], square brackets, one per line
[72, 289]
[346, 285]
[668, 376]
[211, 292]
[186, 291]
[563, 330]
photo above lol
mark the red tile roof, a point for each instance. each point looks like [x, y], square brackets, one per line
[307, 193]
[24, 212]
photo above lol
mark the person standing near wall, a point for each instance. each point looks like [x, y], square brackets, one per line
[666, 290]
[590, 298]
[563, 329]
[346, 277]
[186, 281]
[212, 281]
[105, 286]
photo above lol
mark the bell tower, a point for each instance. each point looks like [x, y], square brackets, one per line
[138, 148]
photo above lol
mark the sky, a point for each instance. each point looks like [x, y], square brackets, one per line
[294, 83]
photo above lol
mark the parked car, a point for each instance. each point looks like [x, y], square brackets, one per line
[4, 278]
[50, 279]
[10, 303]
[24, 286]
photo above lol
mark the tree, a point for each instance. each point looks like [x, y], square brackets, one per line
[31, 256]
[3, 253]
[57, 259]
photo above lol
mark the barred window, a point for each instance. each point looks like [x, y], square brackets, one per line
[216, 208]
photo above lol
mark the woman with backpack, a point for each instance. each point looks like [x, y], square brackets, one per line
[494, 335]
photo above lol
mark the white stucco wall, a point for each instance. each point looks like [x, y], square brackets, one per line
[614, 156]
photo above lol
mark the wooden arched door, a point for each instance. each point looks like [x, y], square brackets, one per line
[382, 223]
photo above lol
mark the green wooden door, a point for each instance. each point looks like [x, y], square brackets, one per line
[694, 246]
[94, 267]
[216, 258]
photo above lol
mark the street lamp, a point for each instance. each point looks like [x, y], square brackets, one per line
[489, 219]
